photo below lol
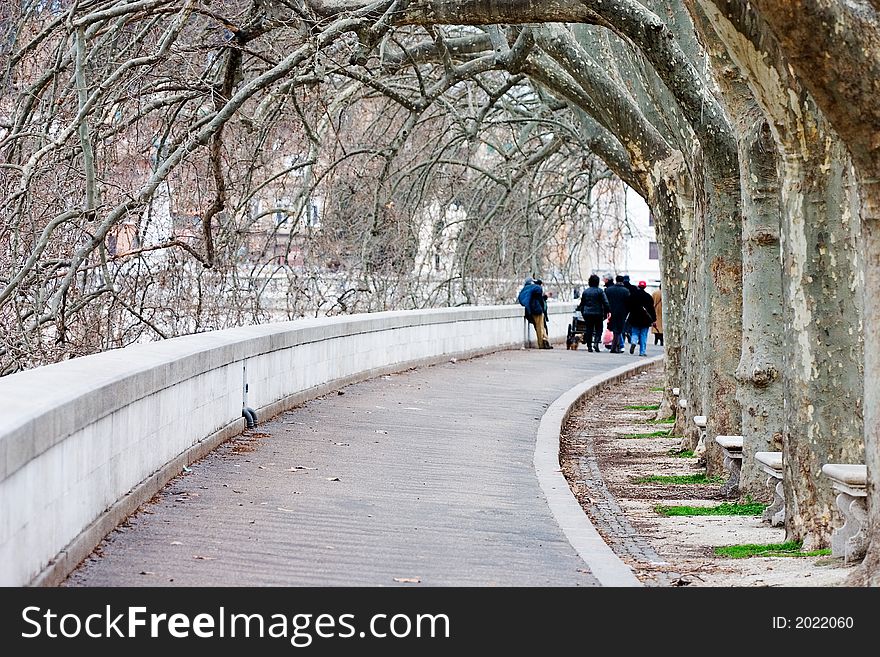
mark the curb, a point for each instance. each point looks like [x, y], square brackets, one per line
[603, 563]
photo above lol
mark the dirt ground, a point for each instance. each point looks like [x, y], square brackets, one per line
[601, 464]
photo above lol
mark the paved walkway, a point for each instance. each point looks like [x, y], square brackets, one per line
[422, 475]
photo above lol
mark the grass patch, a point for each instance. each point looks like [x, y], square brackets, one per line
[668, 420]
[658, 389]
[643, 407]
[789, 549]
[700, 479]
[681, 453]
[724, 509]
[663, 433]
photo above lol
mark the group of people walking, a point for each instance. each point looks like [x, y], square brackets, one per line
[629, 309]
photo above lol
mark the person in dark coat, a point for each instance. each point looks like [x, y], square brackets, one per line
[531, 297]
[618, 300]
[641, 316]
[627, 328]
[595, 309]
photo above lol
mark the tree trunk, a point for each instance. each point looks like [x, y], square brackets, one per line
[694, 332]
[723, 278]
[823, 362]
[869, 572]
[671, 228]
[760, 366]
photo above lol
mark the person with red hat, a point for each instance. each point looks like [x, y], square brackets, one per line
[641, 316]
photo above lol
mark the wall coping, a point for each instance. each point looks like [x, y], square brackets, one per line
[42, 406]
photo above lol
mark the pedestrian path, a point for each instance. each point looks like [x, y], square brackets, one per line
[424, 476]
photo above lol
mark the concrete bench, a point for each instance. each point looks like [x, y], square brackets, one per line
[771, 463]
[676, 392]
[700, 449]
[849, 480]
[733, 454]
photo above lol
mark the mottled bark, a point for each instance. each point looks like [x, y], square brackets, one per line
[834, 48]
[672, 229]
[759, 389]
[694, 329]
[723, 278]
[760, 367]
[822, 301]
[870, 570]
[823, 359]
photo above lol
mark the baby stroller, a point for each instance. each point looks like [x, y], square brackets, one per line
[576, 331]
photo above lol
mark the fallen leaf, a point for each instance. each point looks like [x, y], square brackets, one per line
[333, 479]
[408, 580]
[147, 572]
[343, 444]
[298, 468]
[382, 432]
[202, 557]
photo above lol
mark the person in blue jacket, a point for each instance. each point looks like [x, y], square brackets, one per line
[531, 297]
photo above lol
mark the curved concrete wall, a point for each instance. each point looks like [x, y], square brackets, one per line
[84, 442]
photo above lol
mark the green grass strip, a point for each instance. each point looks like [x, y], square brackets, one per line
[681, 453]
[700, 478]
[654, 434]
[789, 549]
[724, 509]
[658, 389]
[669, 420]
[643, 407]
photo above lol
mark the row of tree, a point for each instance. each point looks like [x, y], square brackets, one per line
[751, 130]
[749, 126]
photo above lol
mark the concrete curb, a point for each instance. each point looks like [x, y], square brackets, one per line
[606, 566]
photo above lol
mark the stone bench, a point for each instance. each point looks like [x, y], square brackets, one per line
[700, 449]
[771, 463]
[676, 392]
[849, 480]
[733, 454]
